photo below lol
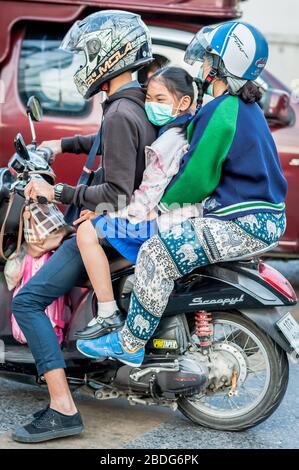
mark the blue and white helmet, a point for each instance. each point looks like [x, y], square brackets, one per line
[242, 48]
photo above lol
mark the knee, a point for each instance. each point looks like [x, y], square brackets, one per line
[147, 260]
[17, 304]
[146, 247]
[85, 234]
[26, 300]
[148, 251]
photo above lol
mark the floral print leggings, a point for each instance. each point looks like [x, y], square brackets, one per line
[196, 242]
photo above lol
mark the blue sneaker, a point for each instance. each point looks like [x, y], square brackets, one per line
[110, 346]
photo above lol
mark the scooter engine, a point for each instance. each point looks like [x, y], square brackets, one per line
[164, 380]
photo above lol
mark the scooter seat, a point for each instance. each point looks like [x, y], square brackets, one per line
[255, 255]
[117, 263]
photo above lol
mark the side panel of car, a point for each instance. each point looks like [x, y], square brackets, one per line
[287, 141]
[289, 157]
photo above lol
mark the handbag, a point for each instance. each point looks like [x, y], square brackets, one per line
[14, 268]
[44, 228]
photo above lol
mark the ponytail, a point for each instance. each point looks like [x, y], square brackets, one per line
[250, 93]
[200, 93]
[199, 101]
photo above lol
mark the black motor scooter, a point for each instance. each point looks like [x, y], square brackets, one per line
[219, 353]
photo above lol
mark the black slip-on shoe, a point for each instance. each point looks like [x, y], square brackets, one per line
[50, 424]
[101, 326]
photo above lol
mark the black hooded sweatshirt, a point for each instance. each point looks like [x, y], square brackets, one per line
[126, 132]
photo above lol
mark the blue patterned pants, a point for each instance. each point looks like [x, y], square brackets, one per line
[197, 242]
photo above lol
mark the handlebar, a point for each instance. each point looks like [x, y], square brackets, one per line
[46, 153]
[40, 199]
[4, 195]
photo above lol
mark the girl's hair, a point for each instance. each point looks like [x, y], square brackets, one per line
[179, 83]
[250, 93]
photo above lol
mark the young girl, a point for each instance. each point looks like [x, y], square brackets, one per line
[170, 95]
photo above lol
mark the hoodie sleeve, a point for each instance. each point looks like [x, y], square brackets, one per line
[78, 144]
[120, 143]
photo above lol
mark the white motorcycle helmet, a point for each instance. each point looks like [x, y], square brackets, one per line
[239, 49]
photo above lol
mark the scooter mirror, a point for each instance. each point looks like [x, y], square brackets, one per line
[34, 113]
[20, 146]
[34, 109]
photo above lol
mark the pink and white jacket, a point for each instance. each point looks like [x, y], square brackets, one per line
[162, 160]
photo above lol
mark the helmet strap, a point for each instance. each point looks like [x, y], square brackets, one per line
[213, 73]
[105, 86]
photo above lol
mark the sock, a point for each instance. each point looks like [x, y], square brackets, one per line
[107, 309]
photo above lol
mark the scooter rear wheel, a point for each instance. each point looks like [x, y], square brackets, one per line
[262, 369]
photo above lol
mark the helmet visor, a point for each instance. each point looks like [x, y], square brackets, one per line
[198, 47]
[69, 44]
[72, 38]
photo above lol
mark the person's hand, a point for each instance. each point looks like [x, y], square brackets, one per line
[39, 187]
[152, 215]
[85, 215]
[54, 145]
[122, 213]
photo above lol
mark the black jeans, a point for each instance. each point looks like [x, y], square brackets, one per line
[57, 277]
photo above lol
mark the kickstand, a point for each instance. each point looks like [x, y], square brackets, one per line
[153, 388]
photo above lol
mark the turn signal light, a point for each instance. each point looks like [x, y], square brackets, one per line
[277, 280]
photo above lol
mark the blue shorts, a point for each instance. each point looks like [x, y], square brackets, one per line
[125, 237]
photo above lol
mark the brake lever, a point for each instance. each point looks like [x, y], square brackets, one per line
[42, 200]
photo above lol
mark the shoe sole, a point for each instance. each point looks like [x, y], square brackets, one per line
[100, 334]
[48, 436]
[132, 364]
[88, 355]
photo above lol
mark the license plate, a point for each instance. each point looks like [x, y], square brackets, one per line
[290, 328]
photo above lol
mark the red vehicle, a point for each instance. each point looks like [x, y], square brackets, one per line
[30, 63]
